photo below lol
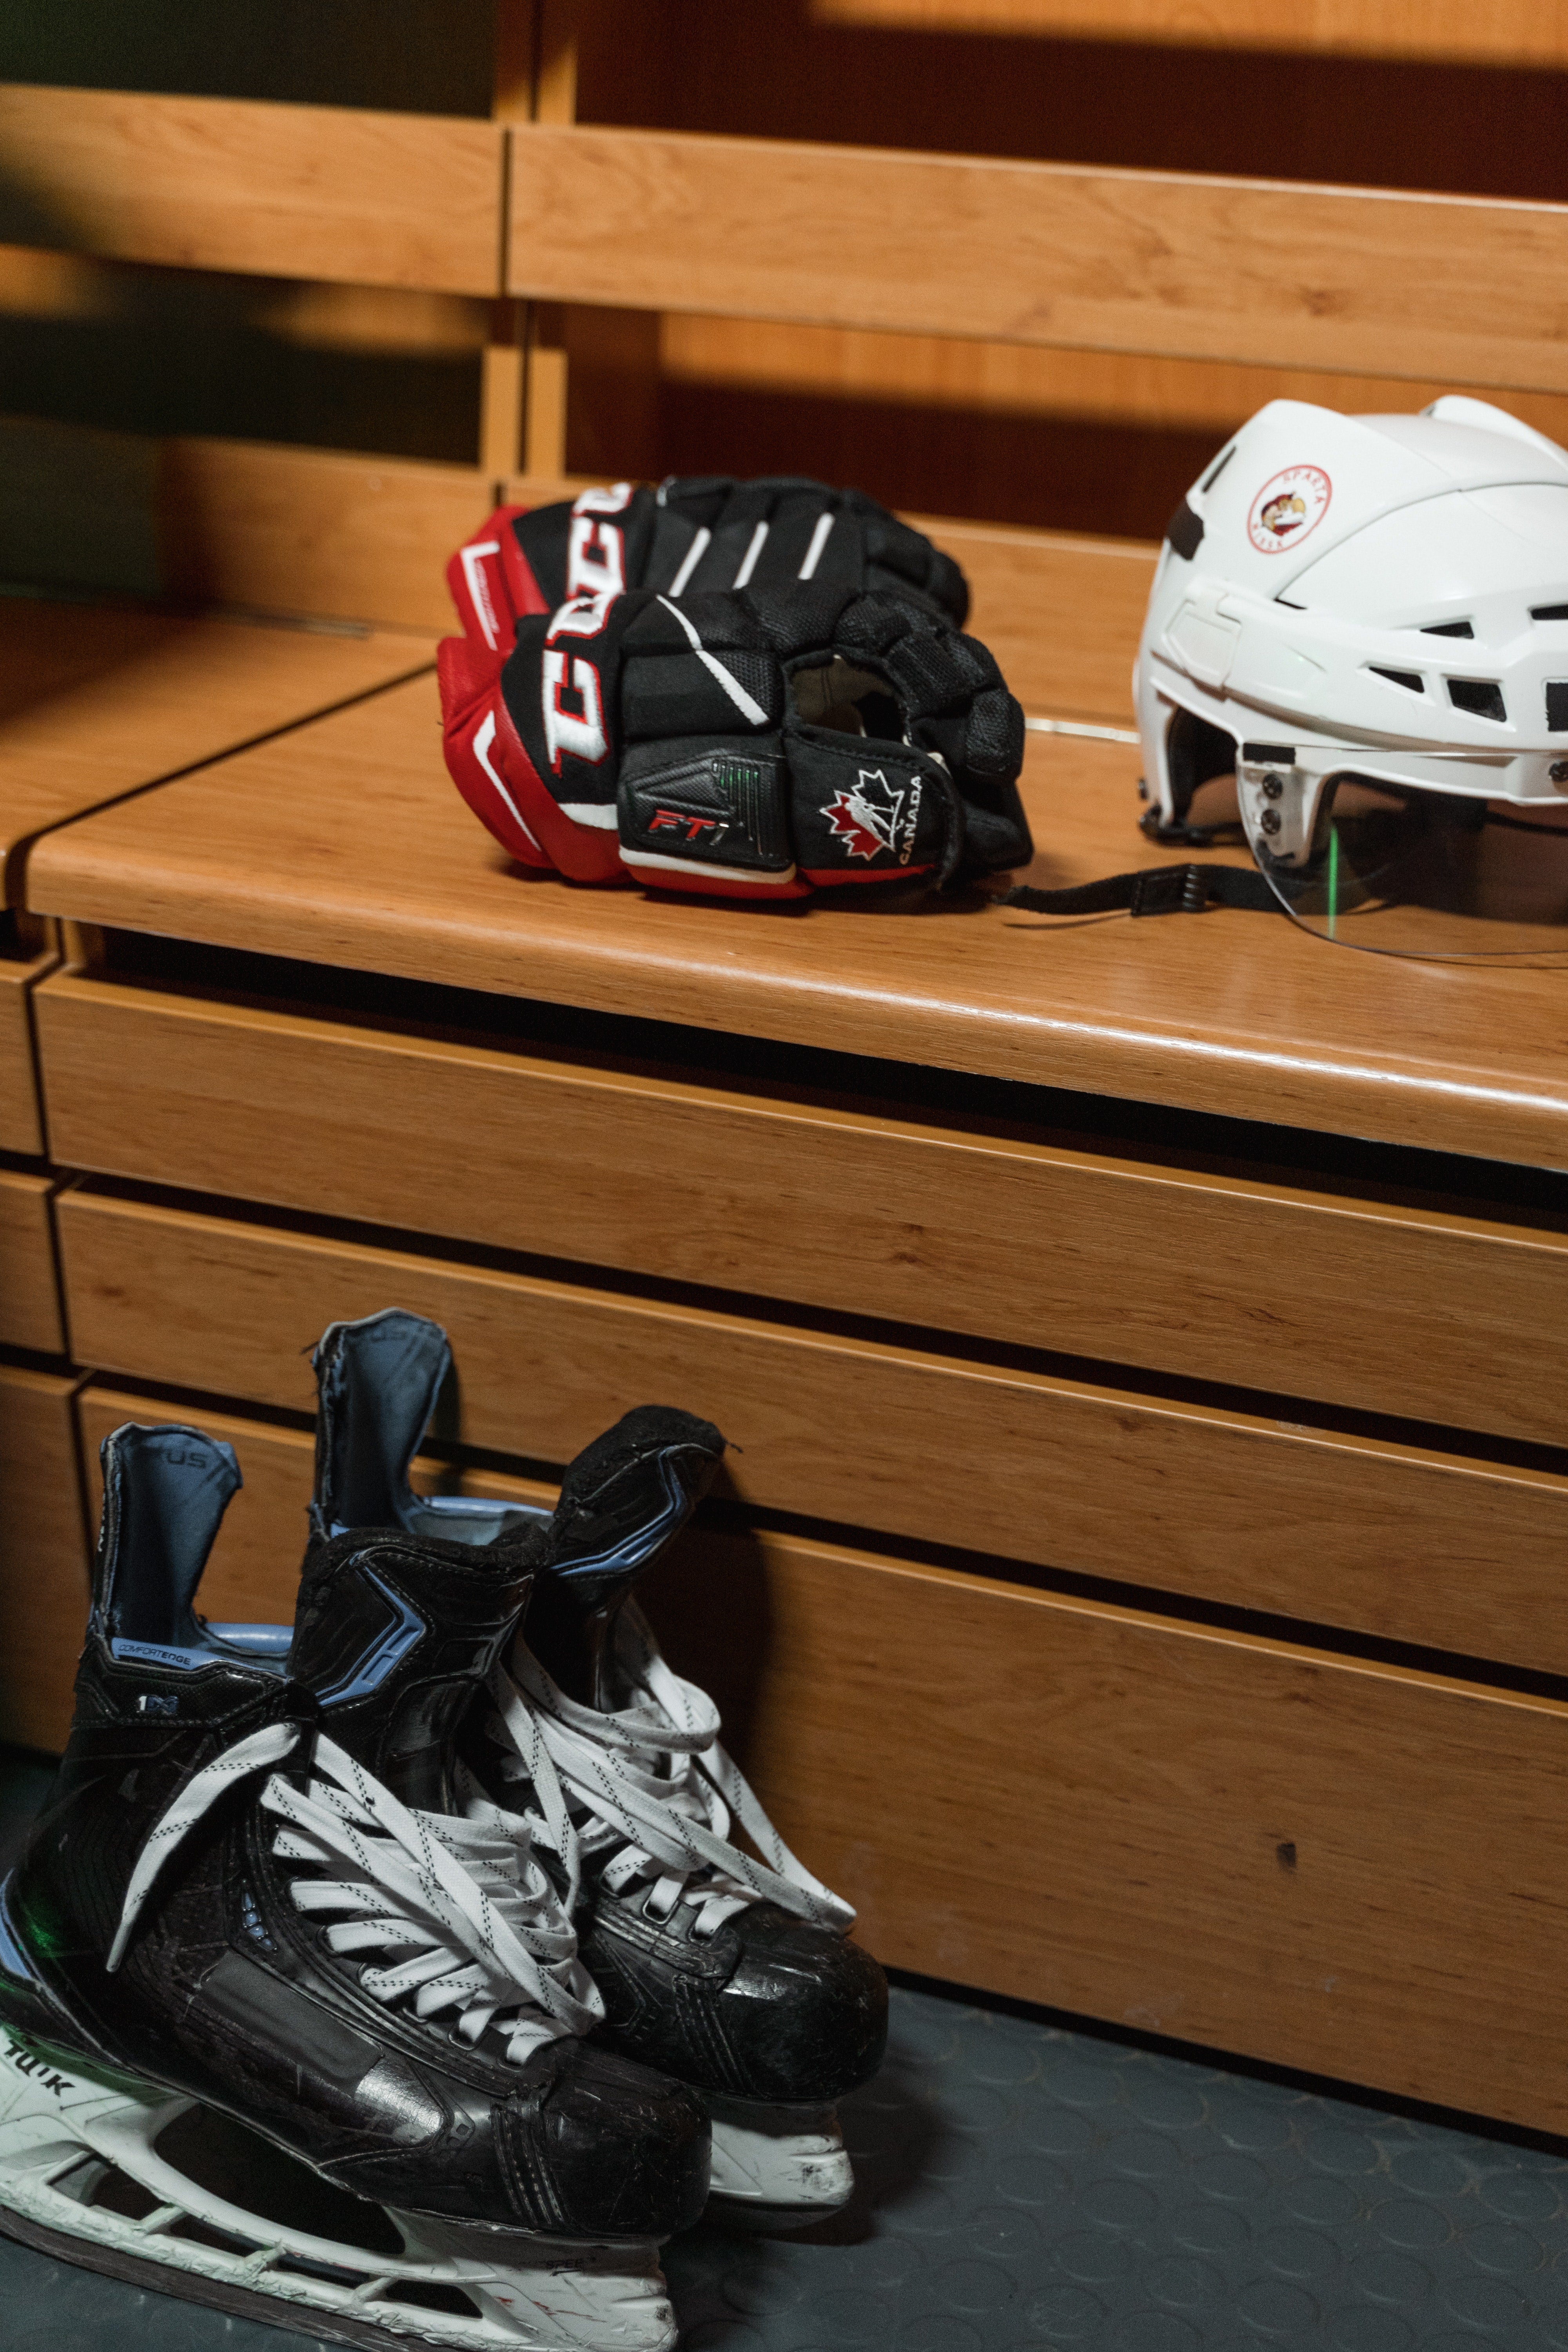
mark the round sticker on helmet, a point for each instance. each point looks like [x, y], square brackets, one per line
[1287, 508]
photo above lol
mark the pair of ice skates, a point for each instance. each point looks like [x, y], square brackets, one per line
[392, 1975]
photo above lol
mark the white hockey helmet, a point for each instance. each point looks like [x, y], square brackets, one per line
[1364, 621]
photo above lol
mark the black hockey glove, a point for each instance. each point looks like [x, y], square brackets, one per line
[743, 744]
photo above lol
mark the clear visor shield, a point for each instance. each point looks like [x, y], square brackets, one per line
[1401, 869]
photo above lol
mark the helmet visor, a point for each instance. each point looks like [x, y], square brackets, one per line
[1407, 871]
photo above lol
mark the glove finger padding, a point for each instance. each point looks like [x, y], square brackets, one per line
[741, 745]
[690, 536]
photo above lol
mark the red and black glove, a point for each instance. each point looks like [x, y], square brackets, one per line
[744, 745]
[689, 537]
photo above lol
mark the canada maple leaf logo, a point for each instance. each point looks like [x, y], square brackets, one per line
[873, 817]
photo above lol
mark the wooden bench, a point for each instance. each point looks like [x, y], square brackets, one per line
[1134, 1583]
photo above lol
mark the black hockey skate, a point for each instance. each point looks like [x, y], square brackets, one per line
[734, 1974]
[264, 1882]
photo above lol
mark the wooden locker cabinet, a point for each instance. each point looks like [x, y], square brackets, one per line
[29, 1295]
[1099, 1804]
[1137, 1578]
[1002, 1237]
[1379, 1537]
[43, 1554]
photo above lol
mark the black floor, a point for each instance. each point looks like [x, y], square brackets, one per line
[1022, 2186]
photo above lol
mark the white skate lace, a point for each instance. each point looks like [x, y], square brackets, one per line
[479, 1921]
[651, 1781]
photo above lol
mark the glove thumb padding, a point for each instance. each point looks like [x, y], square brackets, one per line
[495, 775]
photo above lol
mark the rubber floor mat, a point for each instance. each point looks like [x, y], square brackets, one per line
[1024, 2186]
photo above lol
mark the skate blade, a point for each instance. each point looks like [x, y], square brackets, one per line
[134, 2186]
[784, 2163]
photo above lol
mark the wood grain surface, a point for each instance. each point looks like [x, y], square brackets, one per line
[43, 1557]
[21, 1126]
[1098, 1810]
[997, 1235]
[1062, 613]
[1393, 1540]
[367, 539]
[317, 531]
[286, 191]
[345, 843]
[1179, 264]
[98, 701]
[29, 1294]
[1481, 32]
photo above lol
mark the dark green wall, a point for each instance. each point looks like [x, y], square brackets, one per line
[432, 56]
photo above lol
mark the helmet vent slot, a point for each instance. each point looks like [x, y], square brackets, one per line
[1410, 679]
[1549, 612]
[1219, 469]
[1557, 706]
[1448, 629]
[1481, 696]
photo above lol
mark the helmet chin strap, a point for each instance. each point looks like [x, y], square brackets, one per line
[1154, 891]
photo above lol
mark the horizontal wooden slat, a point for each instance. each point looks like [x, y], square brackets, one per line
[1185, 264]
[345, 843]
[43, 1557]
[21, 1128]
[1381, 1538]
[286, 191]
[1479, 32]
[1087, 1806]
[1062, 615]
[1204, 1275]
[314, 530]
[263, 528]
[317, 532]
[29, 1295]
[97, 702]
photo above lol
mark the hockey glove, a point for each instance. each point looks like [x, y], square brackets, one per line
[740, 744]
[689, 537]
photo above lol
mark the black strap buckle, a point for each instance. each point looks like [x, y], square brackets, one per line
[1169, 890]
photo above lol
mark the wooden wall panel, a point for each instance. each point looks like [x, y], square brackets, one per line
[313, 531]
[1481, 32]
[286, 191]
[1062, 615]
[43, 1557]
[1103, 442]
[1457, 1554]
[1255, 1285]
[1098, 1811]
[1041, 253]
[29, 1295]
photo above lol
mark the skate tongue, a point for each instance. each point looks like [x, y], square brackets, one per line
[394, 1634]
[624, 1501]
[377, 1381]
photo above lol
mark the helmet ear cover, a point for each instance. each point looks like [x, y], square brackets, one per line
[1194, 752]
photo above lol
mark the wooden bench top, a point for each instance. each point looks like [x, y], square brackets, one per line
[98, 701]
[343, 842]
